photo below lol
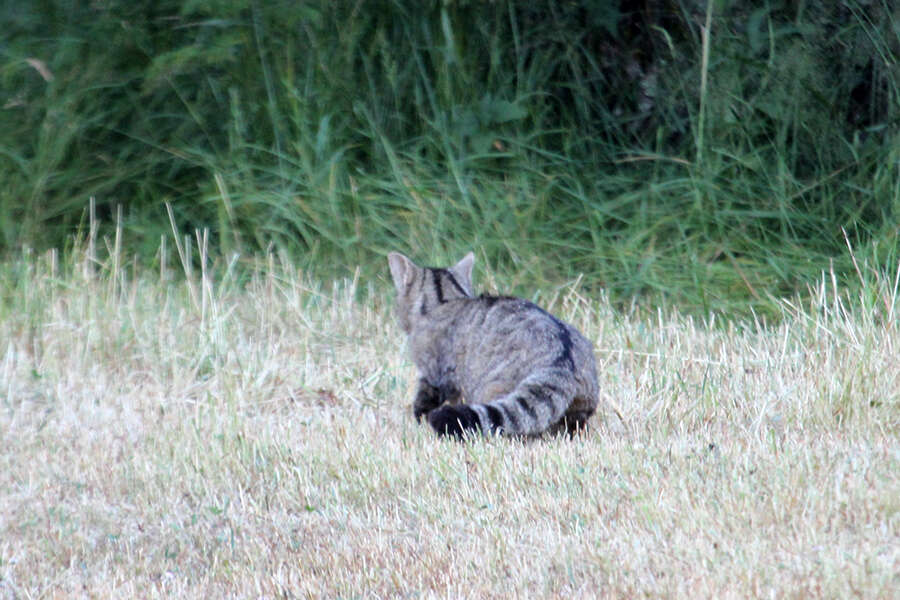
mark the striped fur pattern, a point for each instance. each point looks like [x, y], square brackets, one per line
[490, 364]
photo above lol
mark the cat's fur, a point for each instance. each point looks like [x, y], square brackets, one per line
[490, 364]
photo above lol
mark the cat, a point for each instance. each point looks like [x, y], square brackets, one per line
[519, 370]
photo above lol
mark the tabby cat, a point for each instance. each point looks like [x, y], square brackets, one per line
[490, 364]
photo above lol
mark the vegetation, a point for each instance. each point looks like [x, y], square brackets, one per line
[195, 196]
[193, 436]
[716, 155]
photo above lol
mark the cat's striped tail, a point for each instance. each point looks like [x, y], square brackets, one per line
[537, 403]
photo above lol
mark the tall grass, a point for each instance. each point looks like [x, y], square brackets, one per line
[707, 154]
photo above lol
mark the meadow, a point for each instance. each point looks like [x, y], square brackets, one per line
[187, 432]
[203, 392]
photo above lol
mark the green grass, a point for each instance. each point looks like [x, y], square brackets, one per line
[169, 432]
[714, 171]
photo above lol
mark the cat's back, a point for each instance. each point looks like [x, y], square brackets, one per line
[517, 322]
[500, 340]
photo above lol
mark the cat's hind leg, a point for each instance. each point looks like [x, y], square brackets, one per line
[429, 397]
[572, 423]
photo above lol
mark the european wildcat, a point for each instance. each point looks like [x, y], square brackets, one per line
[520, 370]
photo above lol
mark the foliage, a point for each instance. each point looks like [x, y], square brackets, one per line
[614, 140]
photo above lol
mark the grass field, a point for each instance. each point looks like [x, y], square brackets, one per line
[178, 424]
[193, 435]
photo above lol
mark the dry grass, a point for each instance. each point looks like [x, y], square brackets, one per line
[205, 439]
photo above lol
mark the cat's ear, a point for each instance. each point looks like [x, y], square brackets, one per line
[402, 270]
[462, 272]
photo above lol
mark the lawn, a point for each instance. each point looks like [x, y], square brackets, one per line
[235, 430]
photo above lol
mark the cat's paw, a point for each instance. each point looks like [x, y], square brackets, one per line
[454, 420]
[419, 410]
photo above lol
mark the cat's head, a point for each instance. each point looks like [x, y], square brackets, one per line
[422, 289]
